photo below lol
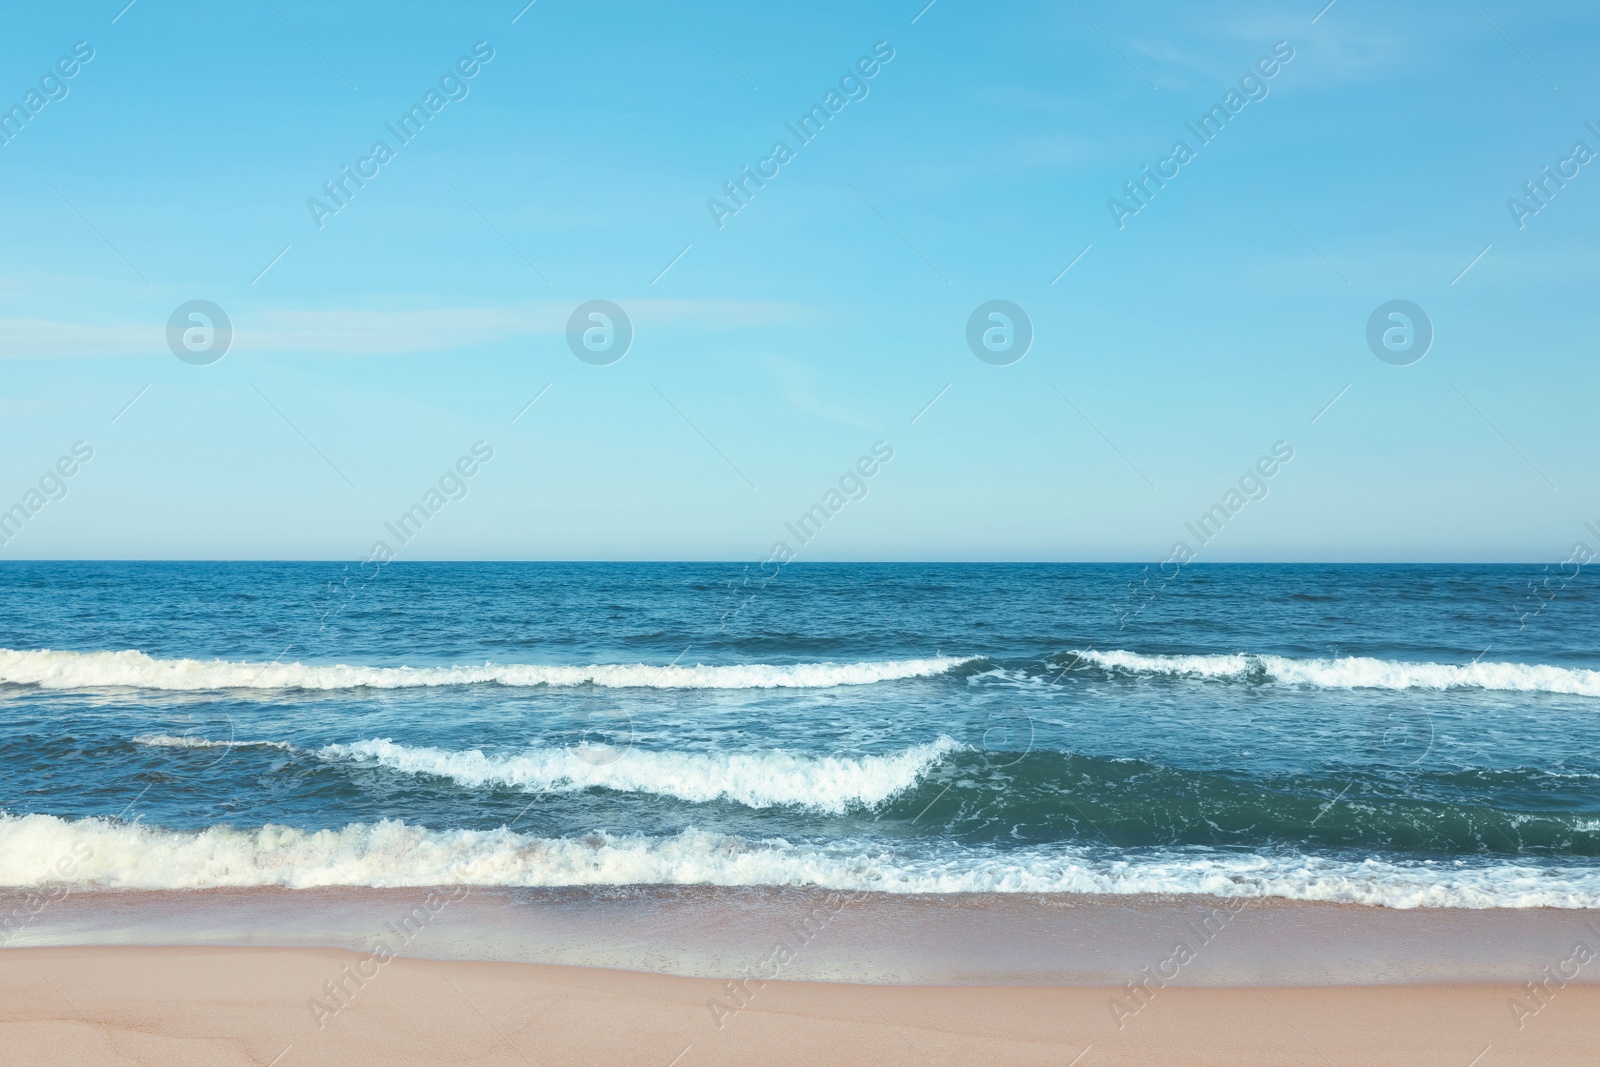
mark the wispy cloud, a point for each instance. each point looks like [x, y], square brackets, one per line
[803, 391]
[1346, 50]
[379, 331]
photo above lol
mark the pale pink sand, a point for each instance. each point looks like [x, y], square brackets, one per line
[221, 1006]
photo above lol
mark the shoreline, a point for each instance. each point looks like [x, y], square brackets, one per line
[147, 1005]
[819, 936]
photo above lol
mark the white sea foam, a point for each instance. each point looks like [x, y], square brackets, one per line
[85, 670]
[36, 849]
[169, 741]
[761, 779]
[1359, 672]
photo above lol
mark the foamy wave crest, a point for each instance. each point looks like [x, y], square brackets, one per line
[86, 670]
[832, 784]
[1358, 672]
[168, 741]
[43, 849]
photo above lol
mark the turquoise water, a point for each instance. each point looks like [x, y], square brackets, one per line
[1400, 735]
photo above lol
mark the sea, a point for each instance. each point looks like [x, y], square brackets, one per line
[1387, 736]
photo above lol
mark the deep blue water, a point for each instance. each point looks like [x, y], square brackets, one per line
[1387, 734]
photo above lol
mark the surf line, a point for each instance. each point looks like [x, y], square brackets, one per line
[54, 891]
[1140, 994]
[340, 994]
[1538, 994]
[741, 991]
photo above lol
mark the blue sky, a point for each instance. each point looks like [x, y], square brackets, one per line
[824, 315]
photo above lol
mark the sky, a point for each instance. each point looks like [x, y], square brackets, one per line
[577, 152]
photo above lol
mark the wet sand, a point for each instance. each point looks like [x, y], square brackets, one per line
[674, 977]
[218, 1006]
[955, 939]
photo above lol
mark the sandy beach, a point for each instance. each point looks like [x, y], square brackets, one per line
[221, 1006]
[694, 975]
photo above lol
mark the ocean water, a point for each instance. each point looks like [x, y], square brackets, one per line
[1406, 736]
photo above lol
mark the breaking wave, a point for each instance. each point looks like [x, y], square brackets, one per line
[169, 741]
[43, 849]
[88, 670]
[832, 784]
[1355, 672]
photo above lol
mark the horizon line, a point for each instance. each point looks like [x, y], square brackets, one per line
[813, 563]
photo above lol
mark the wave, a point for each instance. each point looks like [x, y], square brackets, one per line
[832, 784]
[39, 850]
[1355, 672]
[1374, 800]
[87, 670]
[168, 741]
